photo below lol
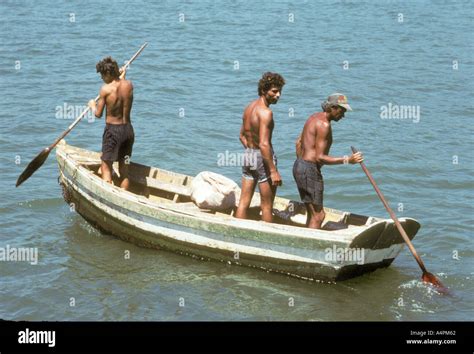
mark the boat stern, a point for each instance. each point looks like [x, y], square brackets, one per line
[379, 245]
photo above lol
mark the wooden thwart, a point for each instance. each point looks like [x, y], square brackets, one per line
[168, 187]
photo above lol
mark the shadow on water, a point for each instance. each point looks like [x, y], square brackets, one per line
[116, 280]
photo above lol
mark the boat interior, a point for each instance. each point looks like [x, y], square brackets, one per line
[168, 187]
[164, 186]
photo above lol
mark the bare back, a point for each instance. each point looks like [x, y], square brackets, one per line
[118, 98]
[251, 123]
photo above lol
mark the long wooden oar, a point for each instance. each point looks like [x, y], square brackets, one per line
[427, 276]
[38, 161]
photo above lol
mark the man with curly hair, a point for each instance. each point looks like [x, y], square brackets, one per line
[118, 138]
[256, 136]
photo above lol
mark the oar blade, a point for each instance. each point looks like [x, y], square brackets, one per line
[35, 164]
[428, 277]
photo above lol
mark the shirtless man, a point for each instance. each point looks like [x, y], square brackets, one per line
[256, 136]
[313, 152]
[118, 137]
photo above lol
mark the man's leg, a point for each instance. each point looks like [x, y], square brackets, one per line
[106, 168]
[315, 216]
[267, 195]
[123, 169]
[124, 162]
[246, 194]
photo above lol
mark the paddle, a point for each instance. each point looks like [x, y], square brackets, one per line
[38, 161]
[427, 276]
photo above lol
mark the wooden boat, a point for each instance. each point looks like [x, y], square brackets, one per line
[157, 212]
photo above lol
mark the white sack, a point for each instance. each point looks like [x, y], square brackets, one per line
[210, 190]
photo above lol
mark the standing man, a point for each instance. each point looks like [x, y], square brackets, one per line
[118, 138]
[256, 136]
[313, 152]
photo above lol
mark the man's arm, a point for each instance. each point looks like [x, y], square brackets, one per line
[101, 103]
[322, 132]
[98, 109]
[299, 145]
[243, 138]
[266, 119]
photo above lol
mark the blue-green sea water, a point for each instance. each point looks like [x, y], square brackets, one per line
[192, 82]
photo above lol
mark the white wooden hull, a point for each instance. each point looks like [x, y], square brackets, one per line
[183, 228]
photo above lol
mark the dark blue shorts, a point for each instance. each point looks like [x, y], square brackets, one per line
[117, 142]
[309, 181]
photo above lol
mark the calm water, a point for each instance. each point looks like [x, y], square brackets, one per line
[207, 67]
